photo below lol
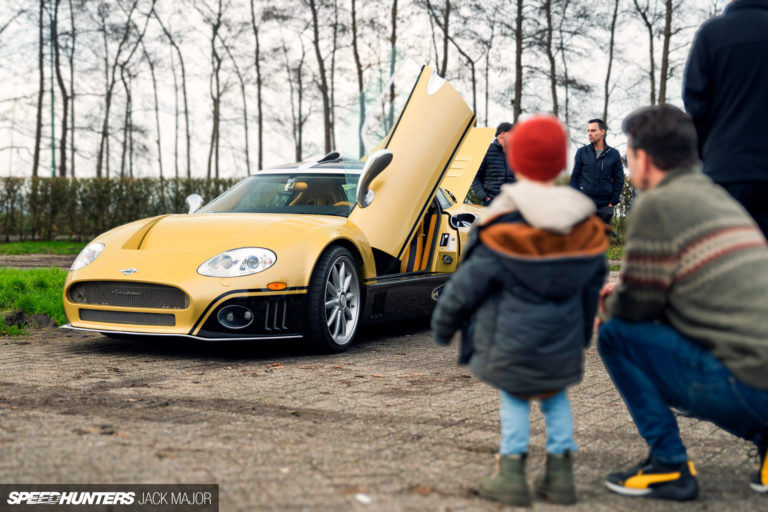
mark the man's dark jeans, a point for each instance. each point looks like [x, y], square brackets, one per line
[654, 368]
[753, 196]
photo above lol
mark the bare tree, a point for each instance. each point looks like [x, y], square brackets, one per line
[295, 75]
[667, 35]
[323, 79]
[518, 99]
[259, 102]
[360, 83]
[649, 17]
[180, 56]
[40, 93]
[611, 45]
[241, 80]
[62, 89]
[110, 71]
[547, 6]
[72, 39]
[214, 20]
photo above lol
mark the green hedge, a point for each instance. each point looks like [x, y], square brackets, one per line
[79, 209]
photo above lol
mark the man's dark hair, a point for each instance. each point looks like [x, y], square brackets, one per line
[600, 123]
[665, 132]
[503, 127]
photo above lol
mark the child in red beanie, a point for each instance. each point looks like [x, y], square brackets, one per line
[525, 298]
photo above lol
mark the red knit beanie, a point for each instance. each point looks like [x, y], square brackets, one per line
[537, 148]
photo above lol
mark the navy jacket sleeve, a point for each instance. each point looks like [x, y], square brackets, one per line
[617, 173]
[576, 174]
[468, 287]
[697, 88]
[477, 183]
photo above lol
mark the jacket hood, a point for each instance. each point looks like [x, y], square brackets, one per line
[555, 209]
[546, 238]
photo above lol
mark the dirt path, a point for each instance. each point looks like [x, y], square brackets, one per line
[36, 261]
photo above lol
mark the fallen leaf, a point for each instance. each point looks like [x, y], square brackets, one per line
[275, 365]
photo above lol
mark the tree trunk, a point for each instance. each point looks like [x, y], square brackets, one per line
[215, 91]
[392, 65]
[516, 107]
[158, 141]
[40, 93]
[607, 84]
[360, 84]
[259, 103]
[565, 64]
[72, 91]
[323, 78]
[652, 61]
[127, 128]
[175, 119]
[446, 20]
[551, 57]
[187, 131]
[245, 106]
[63, 89]
[665, 53]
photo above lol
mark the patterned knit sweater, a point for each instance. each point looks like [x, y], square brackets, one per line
[695, 259]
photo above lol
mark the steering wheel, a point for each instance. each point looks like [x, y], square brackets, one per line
[341, 203]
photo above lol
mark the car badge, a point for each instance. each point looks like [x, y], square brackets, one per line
[129, 271]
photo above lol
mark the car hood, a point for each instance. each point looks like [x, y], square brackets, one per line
[216, 232]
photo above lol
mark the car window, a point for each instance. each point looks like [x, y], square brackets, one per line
[300, 193]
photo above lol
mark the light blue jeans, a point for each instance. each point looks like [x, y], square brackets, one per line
[516, 429]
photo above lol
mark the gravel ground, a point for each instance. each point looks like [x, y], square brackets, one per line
[393, 424]
[393, 421]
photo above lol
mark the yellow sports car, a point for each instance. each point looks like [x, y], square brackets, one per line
[307, 250]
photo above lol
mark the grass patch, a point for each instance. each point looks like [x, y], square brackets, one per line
[47, 247]
[33, 291]
[615, 252]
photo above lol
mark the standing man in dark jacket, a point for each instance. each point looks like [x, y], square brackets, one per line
[597, 171]
[494, 170]
[725, 90]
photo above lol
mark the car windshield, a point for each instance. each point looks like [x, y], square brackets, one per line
[291, 192]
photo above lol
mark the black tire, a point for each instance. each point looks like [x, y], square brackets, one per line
[334, 302]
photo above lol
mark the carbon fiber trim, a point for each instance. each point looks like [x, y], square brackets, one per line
[128, 317]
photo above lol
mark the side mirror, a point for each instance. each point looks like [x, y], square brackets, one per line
[377, 162]
[194, 201]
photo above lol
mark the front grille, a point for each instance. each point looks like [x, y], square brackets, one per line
[128, 295]
[127, 317]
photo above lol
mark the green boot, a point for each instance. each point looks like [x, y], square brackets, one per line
[556, 484]
[507, 484]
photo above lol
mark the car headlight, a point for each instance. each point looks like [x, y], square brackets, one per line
[238, 262]
[86, 256]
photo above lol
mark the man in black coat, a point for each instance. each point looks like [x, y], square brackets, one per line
[725, 90]
[494, 170]
[598, 172]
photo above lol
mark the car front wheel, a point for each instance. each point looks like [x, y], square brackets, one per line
[333, 301]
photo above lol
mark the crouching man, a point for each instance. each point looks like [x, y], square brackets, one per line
[688, 324]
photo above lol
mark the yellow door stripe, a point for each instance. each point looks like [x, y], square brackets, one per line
[641, 481]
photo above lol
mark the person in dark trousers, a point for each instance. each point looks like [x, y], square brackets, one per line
[494, 170]
[527, 292]
[688, 324]
[597, 171]
[724, 91]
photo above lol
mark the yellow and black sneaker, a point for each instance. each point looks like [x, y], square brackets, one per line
[759, 481]
[652, 479]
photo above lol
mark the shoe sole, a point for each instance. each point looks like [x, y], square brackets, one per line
[663, 493]
[508, 499]
[758, 487]
[626, 491]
